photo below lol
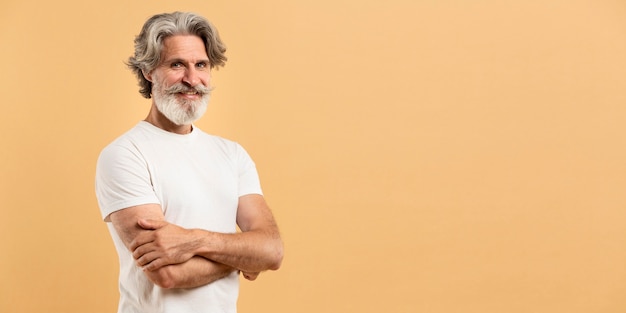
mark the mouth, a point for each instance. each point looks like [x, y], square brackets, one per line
[189, 94]
[186, 92]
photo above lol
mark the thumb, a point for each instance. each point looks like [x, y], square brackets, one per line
[150, 224]
[250, 275]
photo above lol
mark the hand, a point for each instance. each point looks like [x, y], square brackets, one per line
[250, 275]
[162, 244]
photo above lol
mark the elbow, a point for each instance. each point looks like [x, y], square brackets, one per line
[162, 277]
[167, 284]
[275, 265]
[277, 255]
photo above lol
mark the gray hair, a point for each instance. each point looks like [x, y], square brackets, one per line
[149, 43]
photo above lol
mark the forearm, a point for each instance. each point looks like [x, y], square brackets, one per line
[195, 272]
[256, 248]
[251, 251]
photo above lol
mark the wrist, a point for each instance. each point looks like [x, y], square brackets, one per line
[206, 242]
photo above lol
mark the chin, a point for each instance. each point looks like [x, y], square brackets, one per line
[183, 113]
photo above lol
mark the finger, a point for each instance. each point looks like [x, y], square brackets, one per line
[141, 250]
[147, 259]
[154, 265]
[140, 240]
[250, 275]
[150, 224]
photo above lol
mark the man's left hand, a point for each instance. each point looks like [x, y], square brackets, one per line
[163, 245]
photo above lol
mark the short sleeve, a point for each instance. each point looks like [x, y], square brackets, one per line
[122, 179]
[249, 182]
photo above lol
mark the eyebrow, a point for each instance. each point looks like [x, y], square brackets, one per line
[176, 60]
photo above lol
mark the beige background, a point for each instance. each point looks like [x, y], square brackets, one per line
[419, 155]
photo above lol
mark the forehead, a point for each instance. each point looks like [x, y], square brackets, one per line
[186, 47]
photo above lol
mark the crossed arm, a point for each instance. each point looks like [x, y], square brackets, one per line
[175, 257]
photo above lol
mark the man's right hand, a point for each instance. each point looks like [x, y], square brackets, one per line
[250, 275]
[196, 271]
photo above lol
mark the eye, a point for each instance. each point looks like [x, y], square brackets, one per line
[176, 64]
[202, 65]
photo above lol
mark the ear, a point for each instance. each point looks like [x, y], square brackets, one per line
[147, 75]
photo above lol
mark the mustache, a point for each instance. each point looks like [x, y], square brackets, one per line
[200, 89]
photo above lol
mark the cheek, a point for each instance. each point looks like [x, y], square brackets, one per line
[206, 79]
[172, 80]
[169, 79]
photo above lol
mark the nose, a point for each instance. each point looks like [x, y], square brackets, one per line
[191, 77]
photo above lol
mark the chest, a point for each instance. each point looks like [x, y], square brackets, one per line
[197, 186]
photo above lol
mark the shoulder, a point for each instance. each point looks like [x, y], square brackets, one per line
[123, 147]
[225, 145]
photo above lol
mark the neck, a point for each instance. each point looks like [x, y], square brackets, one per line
[159, 120]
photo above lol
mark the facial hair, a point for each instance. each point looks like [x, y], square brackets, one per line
[178, 110]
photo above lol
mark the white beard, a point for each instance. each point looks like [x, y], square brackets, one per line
[180, 111]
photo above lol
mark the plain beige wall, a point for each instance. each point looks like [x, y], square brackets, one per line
[420, 156]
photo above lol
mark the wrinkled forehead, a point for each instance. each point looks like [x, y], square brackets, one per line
[184, 47]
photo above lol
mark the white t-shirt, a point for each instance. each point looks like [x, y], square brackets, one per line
[197, 179]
